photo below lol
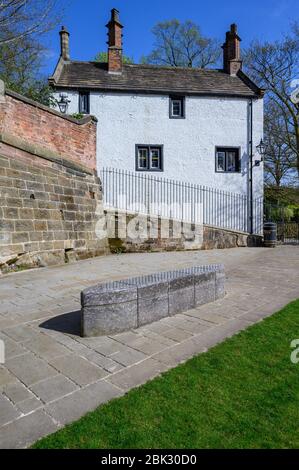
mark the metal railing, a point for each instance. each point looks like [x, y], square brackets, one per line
[187, 202]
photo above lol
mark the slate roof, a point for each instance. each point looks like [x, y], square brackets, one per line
[154, 79]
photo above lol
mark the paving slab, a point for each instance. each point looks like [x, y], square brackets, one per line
[53, 388]
[52, 376]
[73, 406]
[29, 368]
[78, 369]
[8, 412]
[137, 374]
[26, 430]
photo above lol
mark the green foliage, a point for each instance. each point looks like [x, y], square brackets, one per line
[284, 195]
[77, 116]
[242, 393]
[103, 57]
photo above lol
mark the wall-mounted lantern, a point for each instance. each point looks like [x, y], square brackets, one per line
[262, 149]
[63, 103]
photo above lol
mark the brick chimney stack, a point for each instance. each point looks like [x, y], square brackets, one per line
[114, 43]
[64, 43]
[232, 62]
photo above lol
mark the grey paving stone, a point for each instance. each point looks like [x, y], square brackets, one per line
[137, 374]
[6, 377]
[177, 334]
[53, 388]
[161, 339]
[17, 392]
[106, 346]
[78, 369]
[30, 369]
[127, 337]
[220, 332]
[211, 317]
[128, 356]
[12, 348]
[8, 412]
[20, 333]
[46, 347]
[105, 362]
[26, 430]
[148, 346]
[180, 353]
[74, 406]
[29, 405]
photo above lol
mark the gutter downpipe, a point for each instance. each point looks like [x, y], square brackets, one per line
[251, 166]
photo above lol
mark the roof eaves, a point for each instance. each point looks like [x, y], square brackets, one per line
[53, 80]
[259, 92]
[136, 90]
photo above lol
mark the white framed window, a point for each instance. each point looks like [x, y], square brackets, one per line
[177, 107]
[84, 99]
[149, 157]
[227, 160]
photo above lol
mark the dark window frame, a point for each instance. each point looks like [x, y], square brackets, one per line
[149, 147]
[182, 99]
[227, 149]
[87, 93]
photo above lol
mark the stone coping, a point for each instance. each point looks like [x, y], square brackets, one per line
[118, 306]
[36, 104]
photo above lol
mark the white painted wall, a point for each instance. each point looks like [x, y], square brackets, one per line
[189, 144]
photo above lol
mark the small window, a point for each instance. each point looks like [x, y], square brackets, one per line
[176, 107]
[227, 160]
[84, 102]
[149, 158]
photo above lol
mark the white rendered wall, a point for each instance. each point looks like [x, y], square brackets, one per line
[189, 144]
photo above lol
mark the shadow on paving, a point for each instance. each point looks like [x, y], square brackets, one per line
[68, 323]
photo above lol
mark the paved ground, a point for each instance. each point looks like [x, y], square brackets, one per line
[52, 376]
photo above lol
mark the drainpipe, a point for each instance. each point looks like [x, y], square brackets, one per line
[251, 166]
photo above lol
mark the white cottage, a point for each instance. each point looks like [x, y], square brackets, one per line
[195, 125]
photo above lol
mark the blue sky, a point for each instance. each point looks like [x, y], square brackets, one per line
[86, 20]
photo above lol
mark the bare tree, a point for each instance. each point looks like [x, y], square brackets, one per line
[22, 18]
[274, 66]
[182, 45]
[280, 159]
[22, 25]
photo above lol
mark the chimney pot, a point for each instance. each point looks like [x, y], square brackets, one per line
[231, 51]
[64, 43]
[114, 43]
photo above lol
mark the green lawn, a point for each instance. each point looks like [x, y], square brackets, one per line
[243, 393]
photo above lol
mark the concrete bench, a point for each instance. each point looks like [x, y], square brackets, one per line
[123, 305]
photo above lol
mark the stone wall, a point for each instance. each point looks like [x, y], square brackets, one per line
[50, 195]
[129, 233]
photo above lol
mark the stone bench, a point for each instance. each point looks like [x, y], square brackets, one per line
[118, 306]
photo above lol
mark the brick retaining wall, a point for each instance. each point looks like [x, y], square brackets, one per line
[50, 195]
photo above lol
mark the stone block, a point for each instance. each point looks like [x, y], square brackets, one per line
[122, 305]
[108, 293]
[150, 310]
[204, 285]
[181, 300]
[107, 319]
[219, 284]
